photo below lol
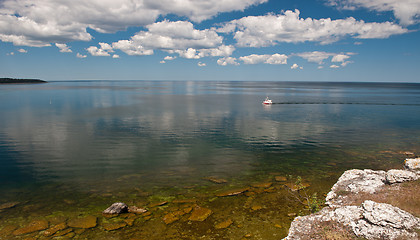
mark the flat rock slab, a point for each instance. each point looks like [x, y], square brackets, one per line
[280, 179]
[262, 185]
[216, 180]
[113, 226]
[116, 208]
[84, 222]
[136, 210]
[34, 226]
[8, 205]
[52, 230]
[224, 224]
[232, 192]
[200, 214]
[158, 204]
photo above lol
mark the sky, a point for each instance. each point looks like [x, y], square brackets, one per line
[217, 40]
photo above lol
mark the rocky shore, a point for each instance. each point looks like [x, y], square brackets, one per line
[20, 81]
[342, 218]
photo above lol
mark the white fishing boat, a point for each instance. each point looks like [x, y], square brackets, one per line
[267, 101]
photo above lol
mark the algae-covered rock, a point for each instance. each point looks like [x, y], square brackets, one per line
[232, 192]
[34, 226]
[280, 178]
[172, 217]
[200, 214]
[224, 224]
[83, 222]
[262, 185]
[216, 180]
[52, 230]
[136, 210]
[113, 226]
[158, 204]
[8, 205]
[7, 230]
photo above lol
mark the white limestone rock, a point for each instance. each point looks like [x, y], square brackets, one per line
[355, 181]
[412, 163]
[384, 221]
[371, 220]
[398, 176]
[116, 208]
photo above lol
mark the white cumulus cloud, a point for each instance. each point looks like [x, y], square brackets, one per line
[227, 61]
[63, 47]
[265, 58]
[178, 37]
[200, 64]
[21, 50]
[169, 58]
[199, 10]
[315, 56]
[288, 27]
[42, 22]
[98, 52]
[320, 57]
[81, 55]
[407, 11]
[295, 66]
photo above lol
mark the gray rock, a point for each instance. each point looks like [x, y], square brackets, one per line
[371, 221]
[116, 208]
[412, 163]
[355, 181]
[386, 215]
[398, 176]
[384, 221]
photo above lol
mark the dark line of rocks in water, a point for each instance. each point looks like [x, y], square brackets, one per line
[370, 220]
[20, 81]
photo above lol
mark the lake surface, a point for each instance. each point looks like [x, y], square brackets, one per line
[71, 149]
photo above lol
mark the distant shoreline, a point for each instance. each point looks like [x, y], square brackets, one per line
[20, 81]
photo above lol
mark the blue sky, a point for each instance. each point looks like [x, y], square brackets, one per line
[290, 40]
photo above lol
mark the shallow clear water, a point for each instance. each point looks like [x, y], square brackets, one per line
[92, 143]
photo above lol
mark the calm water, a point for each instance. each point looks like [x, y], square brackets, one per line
[73, 148]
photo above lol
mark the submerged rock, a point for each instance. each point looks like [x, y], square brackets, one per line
[116, 208]
[216, 180]
[136, 210]
[280, 179]
[172, 217]
[34, 226]
[398, 176]
[224, 224]
[158, 204]
[262, 185]
[113, 226]
[83, 222]
[8, 205]
[232, 192]
[200, 214]
[52, 230]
